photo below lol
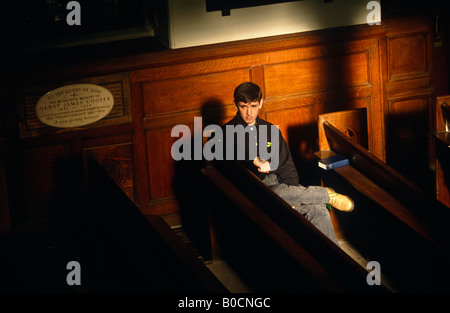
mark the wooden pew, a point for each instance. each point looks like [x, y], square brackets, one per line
[404, 229]
[442, 149]
[161, 260]
[262, 236]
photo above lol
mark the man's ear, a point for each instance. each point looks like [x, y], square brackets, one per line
[261, 103]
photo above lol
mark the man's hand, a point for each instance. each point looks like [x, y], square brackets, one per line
[263, 166]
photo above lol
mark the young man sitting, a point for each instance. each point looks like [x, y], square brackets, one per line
[280, 173]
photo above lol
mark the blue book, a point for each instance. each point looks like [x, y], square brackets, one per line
[333, 162]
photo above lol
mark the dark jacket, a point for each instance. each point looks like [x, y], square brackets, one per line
[286, 170]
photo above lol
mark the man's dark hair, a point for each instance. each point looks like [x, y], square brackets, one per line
[247, 92]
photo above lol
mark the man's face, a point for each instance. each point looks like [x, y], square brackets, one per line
[249, 111]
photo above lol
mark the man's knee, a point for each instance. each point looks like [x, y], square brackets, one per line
[317, 212]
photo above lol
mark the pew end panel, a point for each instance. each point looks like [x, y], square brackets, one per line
[353, 123]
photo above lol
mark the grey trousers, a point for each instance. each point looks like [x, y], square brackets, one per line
[309, 201]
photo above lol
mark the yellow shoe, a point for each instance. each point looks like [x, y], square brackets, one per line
[340, 202]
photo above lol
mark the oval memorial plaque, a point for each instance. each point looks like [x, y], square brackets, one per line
[74, 105]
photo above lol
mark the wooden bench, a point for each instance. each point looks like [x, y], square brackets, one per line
[263, 237]
[442, 149]
[403, 228]
[158, 256]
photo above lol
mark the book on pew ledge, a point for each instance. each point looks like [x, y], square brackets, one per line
[333, 162]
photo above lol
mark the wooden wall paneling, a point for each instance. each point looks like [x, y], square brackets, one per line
[161, 167]
[219, 64]
[218, 115]
[117, 160]
[331, 81]
[376, 116]
[257, 76]
[409, 56]
[296, 125]
[407, 112]
[408, 133]
[169, 95]
[166, 174]
[191, 93]
[249, 54]
[178, 100]
[141, 187]
[409, 93]
[372, 99]
[316, 75]
[440, 81]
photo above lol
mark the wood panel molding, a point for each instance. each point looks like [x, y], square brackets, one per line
[190, 93]
[408, 56]
[317, 75]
